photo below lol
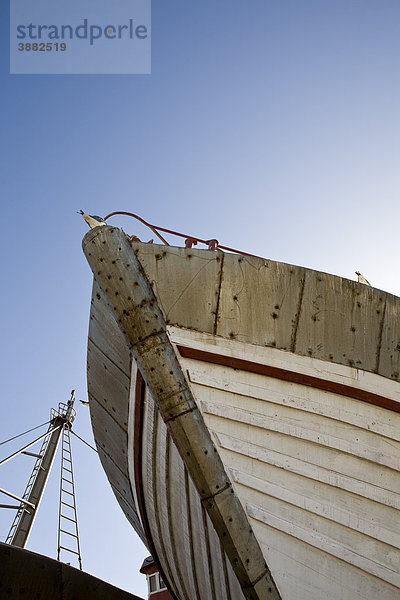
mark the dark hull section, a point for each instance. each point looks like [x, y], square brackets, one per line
[29, 575]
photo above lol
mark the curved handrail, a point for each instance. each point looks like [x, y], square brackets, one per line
[190, 240]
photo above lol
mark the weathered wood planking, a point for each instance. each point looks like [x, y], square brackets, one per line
[317, 490]
[185, 540]
[316, 472]
[264, 302]
[108, 367]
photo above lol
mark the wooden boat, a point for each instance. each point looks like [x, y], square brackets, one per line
[246, 413]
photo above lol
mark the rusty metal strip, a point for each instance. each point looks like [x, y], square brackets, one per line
[291, 376]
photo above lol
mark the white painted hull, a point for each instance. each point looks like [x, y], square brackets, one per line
[308, 445]
[318, 473]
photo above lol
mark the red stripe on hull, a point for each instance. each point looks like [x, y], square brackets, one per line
[291, 376]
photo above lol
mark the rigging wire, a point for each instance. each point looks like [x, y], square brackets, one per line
[25, 432]
[84, 441]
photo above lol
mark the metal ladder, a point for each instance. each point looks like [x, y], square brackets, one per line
[67, 515]
[37, 466]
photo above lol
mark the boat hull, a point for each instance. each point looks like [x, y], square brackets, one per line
[235, 426]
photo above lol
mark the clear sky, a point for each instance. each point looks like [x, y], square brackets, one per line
[272, 126]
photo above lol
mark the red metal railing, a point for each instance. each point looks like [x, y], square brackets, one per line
[190, 240]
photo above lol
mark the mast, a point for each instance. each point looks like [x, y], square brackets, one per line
[26, 514]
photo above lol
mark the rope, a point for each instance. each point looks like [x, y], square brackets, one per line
[25, 432]
[82, 440]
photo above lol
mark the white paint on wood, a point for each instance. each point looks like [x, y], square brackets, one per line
[275, 357]
[352, 516]
[171, 528]
[307, 573]
[318, 472]
[308, 465]
[314, 402]
[330, 435]
[353, 551]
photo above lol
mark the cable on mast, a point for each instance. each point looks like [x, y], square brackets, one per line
[24, 433]
[84, 441]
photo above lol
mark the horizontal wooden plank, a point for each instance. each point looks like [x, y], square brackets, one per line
[353, 515]
[105, 333]
[313, 402]
[291, 376]
[307, 573]
[360, 552]
[285, 359]
[358, 443]
[330, 476]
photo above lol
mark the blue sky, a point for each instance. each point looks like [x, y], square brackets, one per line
[272, 126]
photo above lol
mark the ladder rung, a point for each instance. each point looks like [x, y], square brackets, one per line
[67, 480]
[67, 492]
[69, 550]
[67, 460]
[68, 533]
[69, 518]
[66, 504]
[68, 470]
